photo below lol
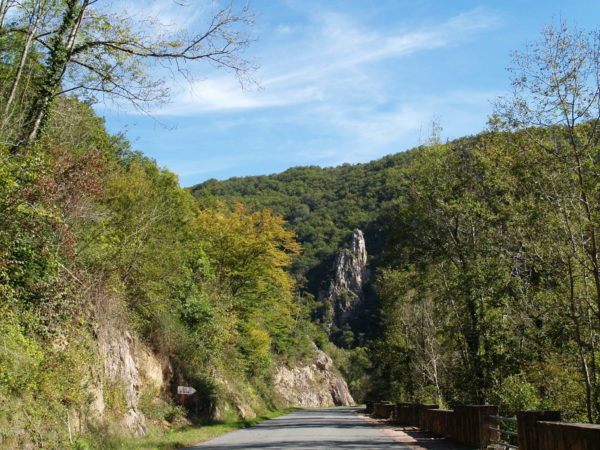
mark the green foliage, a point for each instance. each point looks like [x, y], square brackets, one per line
[354, 365]
[20, 357]
[484, 292]
[248, 252]
[322, 205]
[515, 393]
[96, 237]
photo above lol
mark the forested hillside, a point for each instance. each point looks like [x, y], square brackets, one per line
[483, 283]
[322, 205]
[96, 237]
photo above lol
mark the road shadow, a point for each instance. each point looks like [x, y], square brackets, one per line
[429, 441]
[301, 428]
[328, 444]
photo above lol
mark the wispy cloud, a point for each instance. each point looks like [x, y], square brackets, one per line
[225, 94]
[163, 16]
[351, 135]
[334, 52]
[336, 88]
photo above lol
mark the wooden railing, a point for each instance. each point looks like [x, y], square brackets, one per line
[481, 427]
[504, 434]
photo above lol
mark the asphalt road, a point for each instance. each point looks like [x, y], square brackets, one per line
[309, 429]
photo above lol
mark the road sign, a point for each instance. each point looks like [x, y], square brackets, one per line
[185, 390]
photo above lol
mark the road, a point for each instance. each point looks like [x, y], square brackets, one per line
[321, 429]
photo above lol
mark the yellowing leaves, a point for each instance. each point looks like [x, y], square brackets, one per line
[249, 249]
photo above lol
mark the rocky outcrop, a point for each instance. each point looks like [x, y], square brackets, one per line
[345, 293]
[313, 385]
[122, 378]
[129, 374]
[128, 369]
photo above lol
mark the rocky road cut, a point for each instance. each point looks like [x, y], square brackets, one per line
[328, 428]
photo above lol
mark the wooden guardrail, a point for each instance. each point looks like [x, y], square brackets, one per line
[383, 410]
[478, 426]
[411, 413]
[503, 433]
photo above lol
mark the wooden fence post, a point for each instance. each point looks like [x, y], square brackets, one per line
[421, 412]
[485, 434]
[472, 425]
[528, 429]
[568, 436]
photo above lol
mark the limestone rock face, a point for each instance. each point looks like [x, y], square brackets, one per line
[345, 292]
[128, 369]
[313, 385]
[121, 368]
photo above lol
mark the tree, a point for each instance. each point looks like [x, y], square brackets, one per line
[250, 251]
[556, 82]
[81, 47]
[556, 101]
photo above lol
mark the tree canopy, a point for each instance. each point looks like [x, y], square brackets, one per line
[88, 47]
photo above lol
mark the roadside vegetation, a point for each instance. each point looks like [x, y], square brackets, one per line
[100, 247]
[178, 437]
[491, 290]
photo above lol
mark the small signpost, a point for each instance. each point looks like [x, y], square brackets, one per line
[183, 392]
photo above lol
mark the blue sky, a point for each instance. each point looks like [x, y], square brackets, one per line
[341, 81]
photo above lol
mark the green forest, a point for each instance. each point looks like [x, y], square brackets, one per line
[484, 251]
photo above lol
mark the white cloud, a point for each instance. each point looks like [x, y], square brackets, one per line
[160, 16]
[225, 94]
[328, 63]
[368, 133]
[330, 95]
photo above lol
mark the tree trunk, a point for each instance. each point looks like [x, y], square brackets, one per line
[23, 60]
[56, 66]
[4, 7]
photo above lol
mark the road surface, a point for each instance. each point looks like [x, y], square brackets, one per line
[322, 429]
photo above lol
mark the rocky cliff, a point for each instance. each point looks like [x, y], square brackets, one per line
[313, 385]
[346, 290]
[130, 374]
[128, 371]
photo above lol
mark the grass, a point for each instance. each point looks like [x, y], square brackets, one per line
[191, 435]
